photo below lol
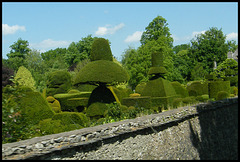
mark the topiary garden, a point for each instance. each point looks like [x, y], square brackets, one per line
[96, 96]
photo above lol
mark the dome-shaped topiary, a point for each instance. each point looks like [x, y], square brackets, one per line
[24, 78]
[101, 50]
[101, 69]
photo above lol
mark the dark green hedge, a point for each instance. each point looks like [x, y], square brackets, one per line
[72, 101]
[96, 110]
[157, 70]
[101, 71]
[58, 82]
[180, 89]
[197, 88]
[159, 88]
[35, 108]
[144, 102]
[217, 86]
[68, 118]
[101, 50]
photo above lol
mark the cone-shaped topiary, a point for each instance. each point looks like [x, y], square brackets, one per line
[101, 50]
[24, 78]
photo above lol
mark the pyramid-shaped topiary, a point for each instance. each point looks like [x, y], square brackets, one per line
[102, 72]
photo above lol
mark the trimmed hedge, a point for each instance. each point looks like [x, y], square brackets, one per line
[138, 102]
[159, 88]
[216, 86]
[73, 101]
[180, 89]
[162, 102]
[101, 71]
[222, 95]
[140, 87]
[197, 88]
[68, 118]
[58, 82]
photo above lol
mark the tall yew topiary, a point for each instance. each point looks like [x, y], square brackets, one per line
[102, 72]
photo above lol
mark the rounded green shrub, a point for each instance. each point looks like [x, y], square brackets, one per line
[217, 86]
[144, 101]
[101, 50]
[197, 88]
[73, 91]
[49, 126]
[58, 82]
[68, 118]
[222, 95]
[96, 109]
[177, 102]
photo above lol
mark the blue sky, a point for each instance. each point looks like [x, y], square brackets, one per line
[48, 25]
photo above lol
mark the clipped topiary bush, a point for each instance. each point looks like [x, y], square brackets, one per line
[179, 89]
[73, 101]
[157, 64]
[140, 87]
[138, 102]
[135, 95]
[197, 88]
[222, 95]
[96, 110]
[35, 107]
[58, 82]
[159, 88]
[101, 50]
[217, 86]
[68, 118]
[24, 78]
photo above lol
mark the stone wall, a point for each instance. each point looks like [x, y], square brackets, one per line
[203, 131]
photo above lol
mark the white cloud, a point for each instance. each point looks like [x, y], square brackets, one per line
[48, 44]
[134, 37]
[232, 36]
[187, 38]
[6, 29]
[107, 29]
[195, 33]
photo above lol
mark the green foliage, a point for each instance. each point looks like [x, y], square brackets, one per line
[155, 29]
[222, 95]
[159, 88]
[180, 89]
[96, 110]
[144, 102]
[228, 70]
[202, 98]
[198, 72]
[22, 109]
[189, 100]
[197, 88]
[140, 87]
[55, 104]
[73, 101]
[234, 90]
[182, 65]
[181, 47]
[19, 49]
[68, 118]
[209, 47]
[217, 86]
[58, 82]
[7, 74]
[24, 78]
[101, 50]
[101, 71]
